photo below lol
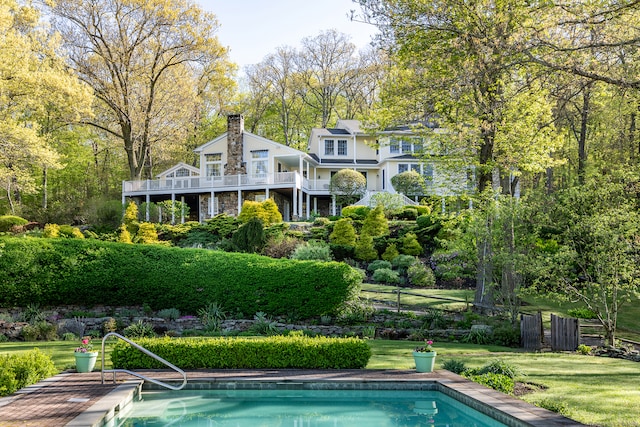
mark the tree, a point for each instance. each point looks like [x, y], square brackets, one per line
[149, 62]
[250, 236]
[409, 183]
[347, 186]
[343, 233]
[364, 248]
[375, 223]
[34, 85]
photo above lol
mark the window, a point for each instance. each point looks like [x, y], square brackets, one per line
[259, 159]
[328, 147]
[213, 164]
[406, 147]
[394, 146]
[403, 167]
[403, 146]
[182, 172]
[342, 147]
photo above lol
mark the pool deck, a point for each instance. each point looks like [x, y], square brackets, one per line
[81, 400]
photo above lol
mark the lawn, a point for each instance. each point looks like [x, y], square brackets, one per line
[597, 390]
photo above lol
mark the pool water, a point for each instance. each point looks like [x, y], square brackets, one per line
[300, 408]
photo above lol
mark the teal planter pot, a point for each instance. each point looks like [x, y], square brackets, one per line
[85, 362]
[425, 361]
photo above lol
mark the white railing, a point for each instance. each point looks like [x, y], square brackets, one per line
[212, 182]
[135, 374]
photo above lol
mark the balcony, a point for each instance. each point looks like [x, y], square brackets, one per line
[222, 183]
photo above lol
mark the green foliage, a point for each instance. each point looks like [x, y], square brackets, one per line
[212, 317]
[266, 211]
[51, 231]
[8, 221]
[20, 370]
[272, 213]
[146, 234]
[376, 224]
[88, 272]
[315, 250]
[123, 234]
[555, 406]
[342, 252]
[139, 329]
[584, 349]
[403, 262]
[477, 336]
[347, 185]
[355, 212]
[169, 313]
[275, 352]
[385, 275]
[500, 367]
[581, 313]
[250, 236]
[364, 248]
[223, 225]
[421, 275]
[377, 264]
[390, 253]
[409, 183]
[263, 325]
[499, 382]
[506, 335]
[343, 233]
[280, 247]
[455, 366]
[410, 245]
[357, 310]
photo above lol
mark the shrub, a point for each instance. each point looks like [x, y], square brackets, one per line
[315, 250]
[280, 247]
[169, 313]
[321, 221]
[263, 325]
[212, 317]
[378, 264]
[139, 329]
[8, 221]
[146, 234]
[357, 212]
[342, 252]
[499, 367]
[499, 382]
[275, 352]
[455, 366]
[364, 248]
[385, 275]
[421, 275]
[343, 233]
[123, 234]
[90, 272]
[410, 245]
[584, 349]
[51, 231]
[390, 252]
[20, 370]
[403, 262]
[581, 313]
[250, 236]
[506, 335]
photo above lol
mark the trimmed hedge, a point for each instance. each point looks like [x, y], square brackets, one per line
[89, 272]
[276, 352]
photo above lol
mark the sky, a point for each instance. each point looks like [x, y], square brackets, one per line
[253, 29]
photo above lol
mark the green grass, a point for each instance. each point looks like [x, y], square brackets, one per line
[61, 352]
[598, 390]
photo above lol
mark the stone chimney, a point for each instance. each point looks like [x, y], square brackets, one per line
[235, 130]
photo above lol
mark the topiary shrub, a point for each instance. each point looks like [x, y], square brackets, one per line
[390, 252]
[410, 245]
[343, 233]
[8, 221]
[364, 248]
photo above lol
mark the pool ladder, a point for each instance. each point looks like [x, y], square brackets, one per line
[135, 374]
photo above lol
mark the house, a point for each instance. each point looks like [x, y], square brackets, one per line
[239, 166]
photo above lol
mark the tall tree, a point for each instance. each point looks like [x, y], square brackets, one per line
[146, 61]
[36, 89]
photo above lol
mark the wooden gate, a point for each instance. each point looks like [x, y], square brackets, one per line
[531, 332]
[565, 333]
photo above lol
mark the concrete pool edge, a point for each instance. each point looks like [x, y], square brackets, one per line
[506, 409]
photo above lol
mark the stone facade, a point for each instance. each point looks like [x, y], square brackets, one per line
[235, 129]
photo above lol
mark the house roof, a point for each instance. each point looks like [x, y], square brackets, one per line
[179, 166]
[334, 131]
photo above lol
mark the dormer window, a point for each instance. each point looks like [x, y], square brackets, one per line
[330, 147]
[342, 147]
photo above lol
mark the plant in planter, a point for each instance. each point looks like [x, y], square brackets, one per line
[85, 356]
[425, 357]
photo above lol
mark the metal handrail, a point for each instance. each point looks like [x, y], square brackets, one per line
[135, 374]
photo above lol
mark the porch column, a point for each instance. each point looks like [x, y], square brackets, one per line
[173, 208]
[181, 209]
[333, 205]
[239, 201]
[308, 205]
[212, 208]
[146, 213]
[315, 204]
[266, 192]
[295, 201]
[300, 196]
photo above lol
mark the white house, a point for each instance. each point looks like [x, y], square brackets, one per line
[239, 166]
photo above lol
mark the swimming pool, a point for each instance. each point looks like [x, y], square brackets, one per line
[300, 406]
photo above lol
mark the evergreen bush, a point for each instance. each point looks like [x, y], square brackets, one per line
[8, 221]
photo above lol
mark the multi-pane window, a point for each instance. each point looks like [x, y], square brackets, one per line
[213, 164]
[403, 167]
[427, 172]
[342, 147]
[394, 146]
[329, 148]
[259, 159]
[404, 146]
[182, 172]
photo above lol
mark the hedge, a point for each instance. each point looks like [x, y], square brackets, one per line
[275, 352]
[52, 272]
[20, 370]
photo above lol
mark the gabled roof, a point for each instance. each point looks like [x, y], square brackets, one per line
[179, 166]
[250, 135]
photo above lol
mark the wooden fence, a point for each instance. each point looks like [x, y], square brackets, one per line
[531, 331]
[565, 333]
